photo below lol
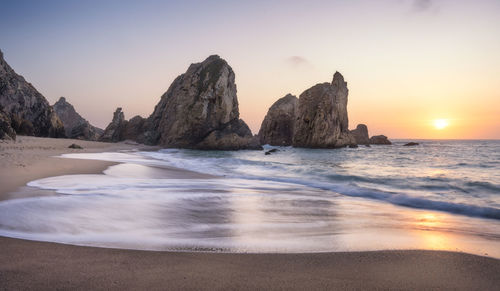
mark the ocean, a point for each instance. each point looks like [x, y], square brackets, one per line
[439, 195]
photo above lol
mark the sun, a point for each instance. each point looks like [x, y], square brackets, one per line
[441, 123]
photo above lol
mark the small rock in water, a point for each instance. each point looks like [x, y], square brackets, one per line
[271, 151]
[353, 146]
[410, 144]
[75, 146]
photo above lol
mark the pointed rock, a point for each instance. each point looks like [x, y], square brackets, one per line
[114, 131]
[74, 124]
[278, 126]
[322, 116]
[30, 112]
[200, 111]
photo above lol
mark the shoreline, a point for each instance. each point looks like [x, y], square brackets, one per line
[43, 265]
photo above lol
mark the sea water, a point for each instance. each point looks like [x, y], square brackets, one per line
[440, 195]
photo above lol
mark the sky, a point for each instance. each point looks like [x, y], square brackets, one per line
[407, 63]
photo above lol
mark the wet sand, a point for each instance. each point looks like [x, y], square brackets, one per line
[40, 265]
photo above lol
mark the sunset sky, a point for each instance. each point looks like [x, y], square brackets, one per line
[415, 69]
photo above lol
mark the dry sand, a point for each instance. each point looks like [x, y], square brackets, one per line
[39, 265]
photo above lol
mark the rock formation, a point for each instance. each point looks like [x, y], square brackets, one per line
[114, 130]
[6, 130]
[200, 111]
[120, 129]
[379, 139]
[322, 116]
[411, 144]
[361, 134]
[29, 111]
[278, 125]
[75, 126]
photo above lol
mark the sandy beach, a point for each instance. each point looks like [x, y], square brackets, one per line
[42, 265]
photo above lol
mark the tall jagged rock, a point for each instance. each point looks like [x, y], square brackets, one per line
[74, 124]
[29, 111]
[361, 134]
[322, 116]
[200, 111]
[114, 131]
[121, 129]
[278, 126]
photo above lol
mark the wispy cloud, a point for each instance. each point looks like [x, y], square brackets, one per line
[297, 61]
[422, 5]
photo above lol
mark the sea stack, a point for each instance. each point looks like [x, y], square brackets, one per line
[29, 111]
[361, 134]
[74, 124]
[380, 139]
[278, 126]
[322, 116]
[200, 111]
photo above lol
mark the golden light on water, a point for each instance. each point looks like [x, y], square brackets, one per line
[441, 123]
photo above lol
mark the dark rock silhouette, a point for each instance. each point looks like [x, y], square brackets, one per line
[75, 146]
[114, 131]
[361, 134]
[379, 139]
[29, 111]
[74, 124]
[278, 126]
[322, 116]
[410, 144]
[200, 111]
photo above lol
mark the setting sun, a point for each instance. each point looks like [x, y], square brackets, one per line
[441, 123]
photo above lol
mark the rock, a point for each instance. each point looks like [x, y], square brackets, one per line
[278, 126]
[6, 130]
[322, 116]
[29, 110]
[271, 151]
[200, 111]
[75, 146]
[379, 139]
[74, 124]
[353, 146]
[114, 131]
[120, 129]
[410, 144]
[361, 134]
[134, 129]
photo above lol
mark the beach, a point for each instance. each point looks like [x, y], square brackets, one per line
[43, 265]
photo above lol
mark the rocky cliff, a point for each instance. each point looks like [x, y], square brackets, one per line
[361, 134]
[29, 111]
[278, 126]
[322, 116]
[6, 130]
[74, 124]
[200, 111]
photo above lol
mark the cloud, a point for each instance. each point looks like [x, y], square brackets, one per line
[297, 61]
[422, 5]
